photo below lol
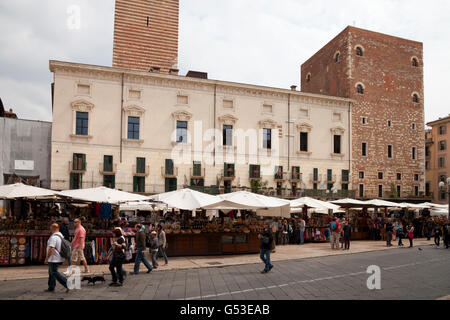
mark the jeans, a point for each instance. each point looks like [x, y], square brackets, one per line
[140, 257]
[116, 264]
[400, 237]
[437, 240]
[410, 242]
[302, 237]
[162, 251]
[154, 254]
[265, 257]
[54, 275]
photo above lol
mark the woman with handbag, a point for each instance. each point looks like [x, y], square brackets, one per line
[117, 258]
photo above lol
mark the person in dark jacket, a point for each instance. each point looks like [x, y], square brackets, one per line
[154, 248]
[265, 240]
[445, 232]
[140, 250]
[347, 231]
[64, 229]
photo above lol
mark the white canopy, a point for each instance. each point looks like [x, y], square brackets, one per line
[381, 203]
[20, 190]
[102, 195]
[313, 203]
[187, 199]
[434, 205]
[140, 205]
[438, 212]
[249, 200]
[349, 202]
[413, 205]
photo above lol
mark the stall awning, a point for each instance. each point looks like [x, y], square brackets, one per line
[102, 195]
[187, 199]
[23, 191]
[249, 200]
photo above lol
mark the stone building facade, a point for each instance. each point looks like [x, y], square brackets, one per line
[384, 76]
[437, 153]
[128, 129]
[146, 35]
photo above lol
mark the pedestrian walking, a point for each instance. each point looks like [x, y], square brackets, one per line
[54, 259]
[437, 236]
[302, 227]
[410, 231]
[117, 258]
[140, 250]
[446, 233]
[285, 234]
[162, 241]
[341, 236]
[389, 229]
[335, 234]
[265, 245]
[78, 244]
[430, 227]
[347, 232]
[154, 248]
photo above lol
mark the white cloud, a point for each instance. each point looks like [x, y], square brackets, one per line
[253, 41]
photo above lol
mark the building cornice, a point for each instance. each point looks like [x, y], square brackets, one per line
[176, 81]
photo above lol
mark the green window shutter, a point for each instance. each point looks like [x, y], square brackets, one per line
[316, 174]
[71, 181]
[113, 182]
[135, 187]
[83, 162]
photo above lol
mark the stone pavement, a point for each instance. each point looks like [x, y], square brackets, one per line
[406, 273]
[291, 252]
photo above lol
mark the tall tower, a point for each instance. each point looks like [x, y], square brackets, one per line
[384, 76]
[146, 35]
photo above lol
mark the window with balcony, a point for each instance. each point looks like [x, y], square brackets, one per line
[442, 145]
[82, 123]
[107, 163]
[133, 128]
[139, 184]
[109, 181]
[267, 138]
[169, 167]
[228, 170]
[316, 174]
[330, 175]
[76, 181]
[345, 175]
[254, 171]
[197, 169]
[278, 172]
[295, 173]
[182, 131]
[140, 165]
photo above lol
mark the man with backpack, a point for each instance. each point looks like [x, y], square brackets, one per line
[266, 246]
[54, 258]
[335, 227]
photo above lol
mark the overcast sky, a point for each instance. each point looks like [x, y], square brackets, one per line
[252, 41]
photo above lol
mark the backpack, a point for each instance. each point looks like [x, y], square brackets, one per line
[66, 248]
[333, 226]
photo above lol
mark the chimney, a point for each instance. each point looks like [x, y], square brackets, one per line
[294, 88]
[174, 71]
[155, 69]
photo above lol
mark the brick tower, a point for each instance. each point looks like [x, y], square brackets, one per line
[384, 75]
[146, 35]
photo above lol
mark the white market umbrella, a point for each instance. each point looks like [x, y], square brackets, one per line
[434, 205]
[187, 199]
[381, 203]
[20, 190]
[349, 203]
[438, 212]
[102, 195]
[413, 205]
[313, 203]
[140, 205]
[249, 200]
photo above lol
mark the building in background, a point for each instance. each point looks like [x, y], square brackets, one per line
[384, 76]
[146, 35]
[122, 129]
[25, 150]
[437, 155]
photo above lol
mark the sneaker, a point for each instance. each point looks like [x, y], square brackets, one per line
[264, 271]
[149, 270]
[66, 273]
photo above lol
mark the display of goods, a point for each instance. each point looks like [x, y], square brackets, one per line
[176, 231]
[168, 231]
[188, 231]
[4, 250]
[196, 231]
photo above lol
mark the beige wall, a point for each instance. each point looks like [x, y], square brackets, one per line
[158, 109]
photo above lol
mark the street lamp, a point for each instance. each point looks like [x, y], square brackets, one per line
[442, 187]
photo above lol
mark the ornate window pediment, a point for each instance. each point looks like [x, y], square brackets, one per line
[268, 124]
[337, 130]
[82, 106]
[304, 127]
[182, 115]
[228, 119]
[134, 110]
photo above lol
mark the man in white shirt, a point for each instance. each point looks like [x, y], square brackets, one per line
[302, 228]
[54, 259]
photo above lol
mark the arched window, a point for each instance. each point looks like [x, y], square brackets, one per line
[308, 77]
[415, 98]
[359, 51]
[360, 89]
[337, 57]
[415, 63]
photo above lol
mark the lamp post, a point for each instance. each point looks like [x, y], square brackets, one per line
[442, 186]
